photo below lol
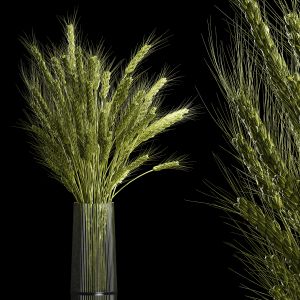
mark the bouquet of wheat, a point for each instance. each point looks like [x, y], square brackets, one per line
[88, 121]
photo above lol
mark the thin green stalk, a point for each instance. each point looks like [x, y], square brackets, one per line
[132, 180]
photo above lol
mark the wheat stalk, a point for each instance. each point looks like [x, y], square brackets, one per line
[260, 82]
[88, 121]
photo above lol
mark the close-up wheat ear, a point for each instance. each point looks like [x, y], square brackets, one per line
[259, 79]
[88, 120]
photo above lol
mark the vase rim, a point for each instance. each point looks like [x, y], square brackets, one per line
[91, 204]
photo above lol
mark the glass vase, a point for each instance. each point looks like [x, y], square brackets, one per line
[93, 274]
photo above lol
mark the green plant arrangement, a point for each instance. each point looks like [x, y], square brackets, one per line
[90, 121]
[87, 120]
[259, 78]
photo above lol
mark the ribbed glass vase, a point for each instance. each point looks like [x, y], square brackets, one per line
[93, 252]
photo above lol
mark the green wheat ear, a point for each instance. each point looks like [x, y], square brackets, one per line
[261, 83]
[88, 121]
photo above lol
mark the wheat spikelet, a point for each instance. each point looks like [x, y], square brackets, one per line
[71, 47]
[167, 165]
[162, 124]
[292, 20]
[139, 56]
[105, 86]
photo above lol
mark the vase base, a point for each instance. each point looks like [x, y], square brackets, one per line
[100, 297]
[95, 295]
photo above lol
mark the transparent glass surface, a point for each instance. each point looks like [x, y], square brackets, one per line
[93, 252]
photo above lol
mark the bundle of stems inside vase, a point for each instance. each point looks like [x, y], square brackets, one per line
[261, 82]
[89, 119]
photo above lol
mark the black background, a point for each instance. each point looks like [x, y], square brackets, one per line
[166, 247]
